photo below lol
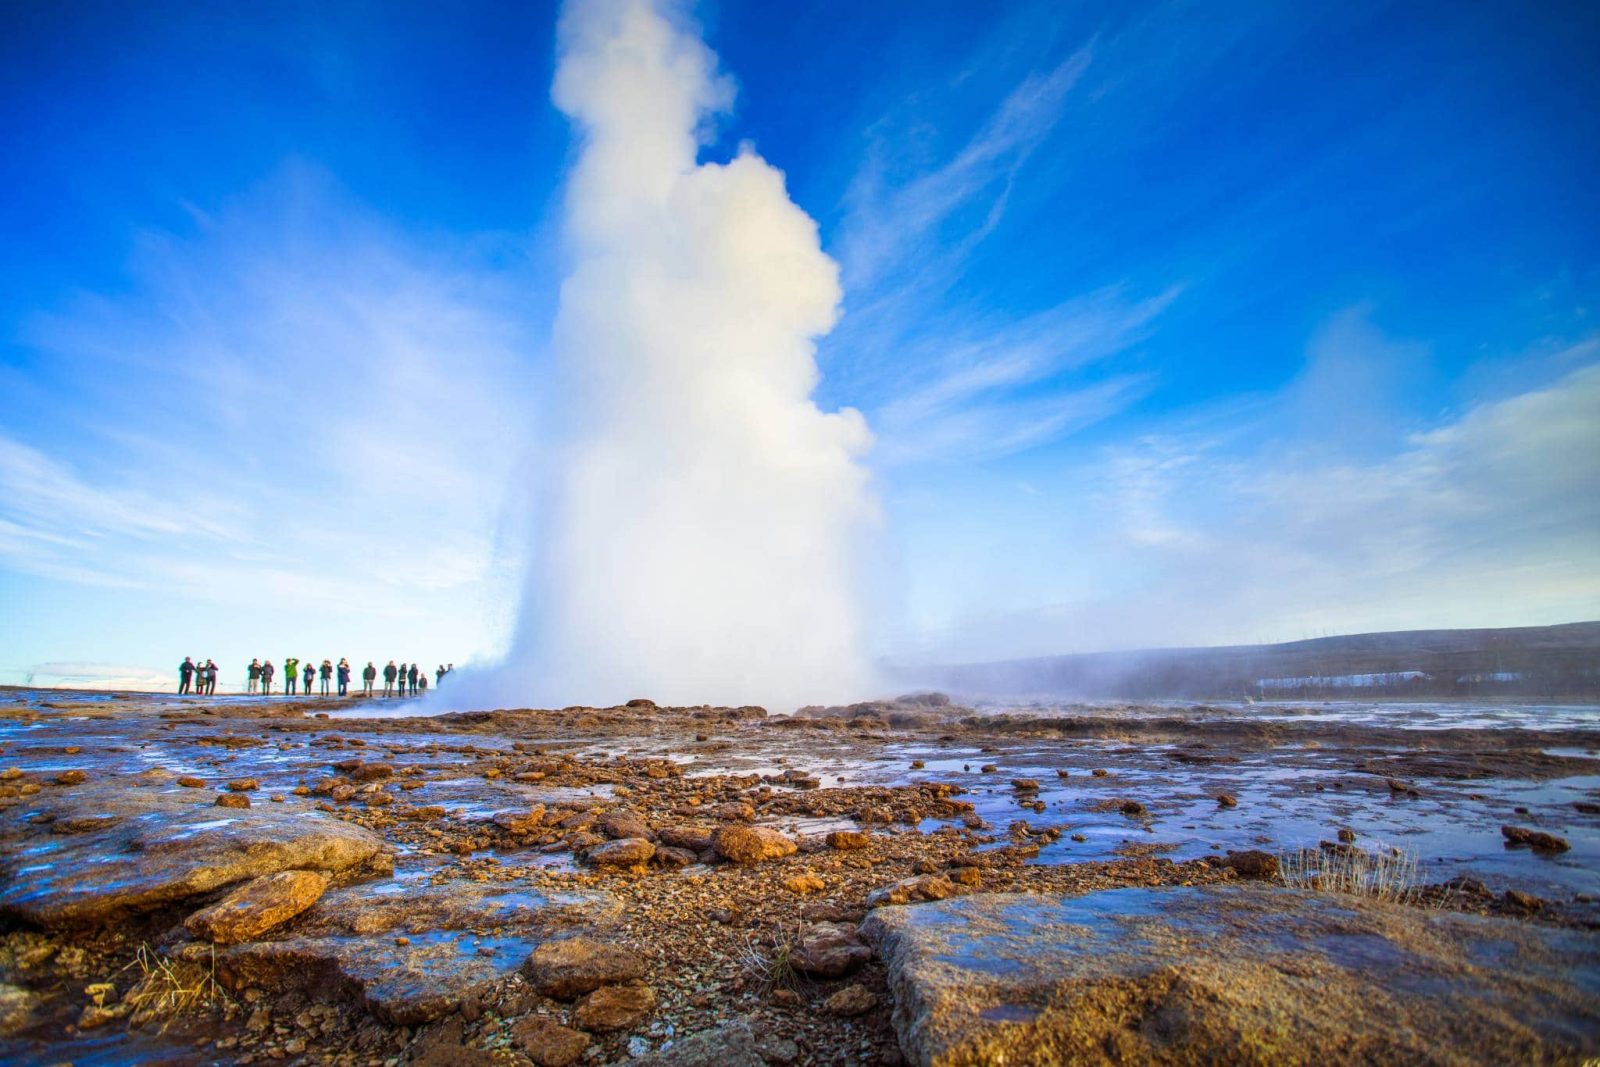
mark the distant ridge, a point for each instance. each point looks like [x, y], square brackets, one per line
[1544, 662]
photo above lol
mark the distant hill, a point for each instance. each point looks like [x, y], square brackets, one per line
[1543, 662]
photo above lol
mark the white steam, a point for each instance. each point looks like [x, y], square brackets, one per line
[705, 519]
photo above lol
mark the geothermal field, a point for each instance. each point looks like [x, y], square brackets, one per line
[244, 881]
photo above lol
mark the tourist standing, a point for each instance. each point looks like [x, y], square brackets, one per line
[369, 674]
[211, 676]
[389, 673]
[291, 674]
[327, 675]
[344, 677]
[311, 673]
[438, 675]
[267, 671]
[422, 683]
[411, 675]
[255, 675]
[185, 673]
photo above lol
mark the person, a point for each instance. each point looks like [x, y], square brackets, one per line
[369, 674]
[211, 677]
[327, 675]
[344, 677]
[291, 674]
[411, 676]
[255, 675]
[267, 671]
[311, 673]
[185, 673]
[438, 675]
[388, 679]
[422, 683]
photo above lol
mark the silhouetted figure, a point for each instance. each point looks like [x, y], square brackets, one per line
[411, 676]
[267, 671]
[369, 674]
[438, 675]
[185, 674]
[389, 674]
[255, 675]
[211, 676]
[422, 683]
[327, 675]
[344, 677]
[291, 674]
[311, 674]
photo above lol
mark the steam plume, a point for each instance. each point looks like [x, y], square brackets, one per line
[705, 518]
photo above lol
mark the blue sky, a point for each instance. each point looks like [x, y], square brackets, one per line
[1175, 324]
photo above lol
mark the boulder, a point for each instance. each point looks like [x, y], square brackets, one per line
[1230, 974]
[685, 837]
[1252, 863]
[165, 849]
[751, 844]
[850, 1001]
[849, 840]
[624, 824]
[577, 965]
[614, 1007]
[257, 906]
[828, 950]
[1534, 839]
[530, 821]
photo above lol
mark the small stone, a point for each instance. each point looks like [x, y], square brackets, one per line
[232, 800]
[802, 884]
[189, 781]
[623, 852]
[614, 1007]
[244, 785]
[847, 840]
[1227, 800]
[71, 778]
[1252, 863]
[751, 844]
[1534, 839]
[850, 1001]
[828, 950]
[1025, 785]
[1131, 808]
[1346, 835]
[547, 1043]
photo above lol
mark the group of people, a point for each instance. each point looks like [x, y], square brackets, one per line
[200, 678]
[302, 676]
[406, 679]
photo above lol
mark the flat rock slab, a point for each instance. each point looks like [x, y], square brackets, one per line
[160, 850]
[409, 953]
[1256, 975]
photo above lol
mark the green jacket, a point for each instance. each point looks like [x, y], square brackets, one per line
[289, 666]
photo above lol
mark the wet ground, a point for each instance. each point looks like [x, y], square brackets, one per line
[1092, 791]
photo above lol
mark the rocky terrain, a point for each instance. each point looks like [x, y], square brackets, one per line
[238, 881]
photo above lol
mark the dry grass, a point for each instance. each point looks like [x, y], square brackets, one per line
[168, 988]
[1388, 874]
[771, 962]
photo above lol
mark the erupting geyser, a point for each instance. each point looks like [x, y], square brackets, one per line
[704, 519]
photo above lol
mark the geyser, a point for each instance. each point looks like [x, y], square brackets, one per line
[704, 520]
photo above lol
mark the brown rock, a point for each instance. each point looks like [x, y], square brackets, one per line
[734, 812]
[623, 852]
[232, 800]
[257, 906]
[371, 772]
[578, 965]
[968, 876]
[850, 1001]
[828, 950]
[1131, 808]
[1534, 839]
[1252, 863]
[1227, 800]
[1025, 785]
[802, 884]
[71, 778]
[910, 890]
[189, 781]
[547, 1043]
[751, 844]
[684, 837]
[244, 785]
[614, 1007]
[619, 824]
[846, 840]
[673, 858]
[1347, 835]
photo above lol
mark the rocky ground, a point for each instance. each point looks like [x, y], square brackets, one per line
[240, 882]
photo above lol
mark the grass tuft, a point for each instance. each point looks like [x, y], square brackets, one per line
[168, 989]
[1388, 874]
